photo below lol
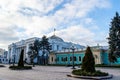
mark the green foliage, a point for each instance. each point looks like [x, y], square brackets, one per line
[88, 63]
[42, 45]
[34, 50]
[114, 39]
[2, 66]
[109, 66]
[45, 48]
[21, 62]
[20, 68]
[84, 73]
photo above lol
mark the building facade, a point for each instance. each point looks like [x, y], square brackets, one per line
[56, 43]
[66, 57]
[61, 52]
[3, 56]
[14, 49]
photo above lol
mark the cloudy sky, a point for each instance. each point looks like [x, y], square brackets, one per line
[80, 21]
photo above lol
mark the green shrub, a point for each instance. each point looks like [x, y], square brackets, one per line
[84, 73]
[21, 62]
[20, 68]
[110, 66]
[88, 63]
[2, 66]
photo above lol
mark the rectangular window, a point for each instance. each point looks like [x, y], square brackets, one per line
[52, 59]
[79, 58]
[57, 47]
[66, 59]
[57, 58]
[70, 58]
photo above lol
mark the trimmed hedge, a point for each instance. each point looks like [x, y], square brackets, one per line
[20, 68]
[2, 66]
[84, 73]
[110, 66]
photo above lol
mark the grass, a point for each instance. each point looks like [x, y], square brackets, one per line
[84, 73]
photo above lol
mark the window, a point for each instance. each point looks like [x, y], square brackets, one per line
[66, 59]
[79, 58]
[70, 58]
[75, 59]
[52, 59]
[62, 59]
[57, 58]
[57, 47]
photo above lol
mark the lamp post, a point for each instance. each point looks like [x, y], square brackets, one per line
[73, 49]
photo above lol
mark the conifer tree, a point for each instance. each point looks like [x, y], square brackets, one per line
[88, 63]
[114, 39]
[21, 62]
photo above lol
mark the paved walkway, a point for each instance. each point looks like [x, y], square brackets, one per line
[47, 73]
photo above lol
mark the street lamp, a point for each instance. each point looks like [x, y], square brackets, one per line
[73, 49]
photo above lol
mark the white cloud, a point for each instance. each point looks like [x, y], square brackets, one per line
[77, 34]
[20, 19]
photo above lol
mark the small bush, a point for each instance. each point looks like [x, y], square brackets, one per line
[110, 66]
[20, 68]
[2, 66]
[84, 73]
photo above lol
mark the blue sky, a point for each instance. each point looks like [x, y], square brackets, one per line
[78, 21]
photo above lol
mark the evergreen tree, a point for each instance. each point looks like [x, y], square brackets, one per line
[114, 39]
[88, 63]
[21, 62]
[34, 50]
[45, 47]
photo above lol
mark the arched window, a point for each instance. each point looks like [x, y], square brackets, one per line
[70, 58]
[75, 59]
[65, 58]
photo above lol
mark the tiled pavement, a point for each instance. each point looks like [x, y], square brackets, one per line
[47, 73]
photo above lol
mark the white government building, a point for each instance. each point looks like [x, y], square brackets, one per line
[57, 44]
[3, 56]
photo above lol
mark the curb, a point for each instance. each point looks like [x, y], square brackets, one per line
[91, 77]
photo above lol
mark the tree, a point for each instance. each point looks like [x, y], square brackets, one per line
[34, 51]
[45, 48]
[114, 39]
[88, 62]
[21, 62]
[42, 45]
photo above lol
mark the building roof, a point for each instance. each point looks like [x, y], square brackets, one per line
[54, 37]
